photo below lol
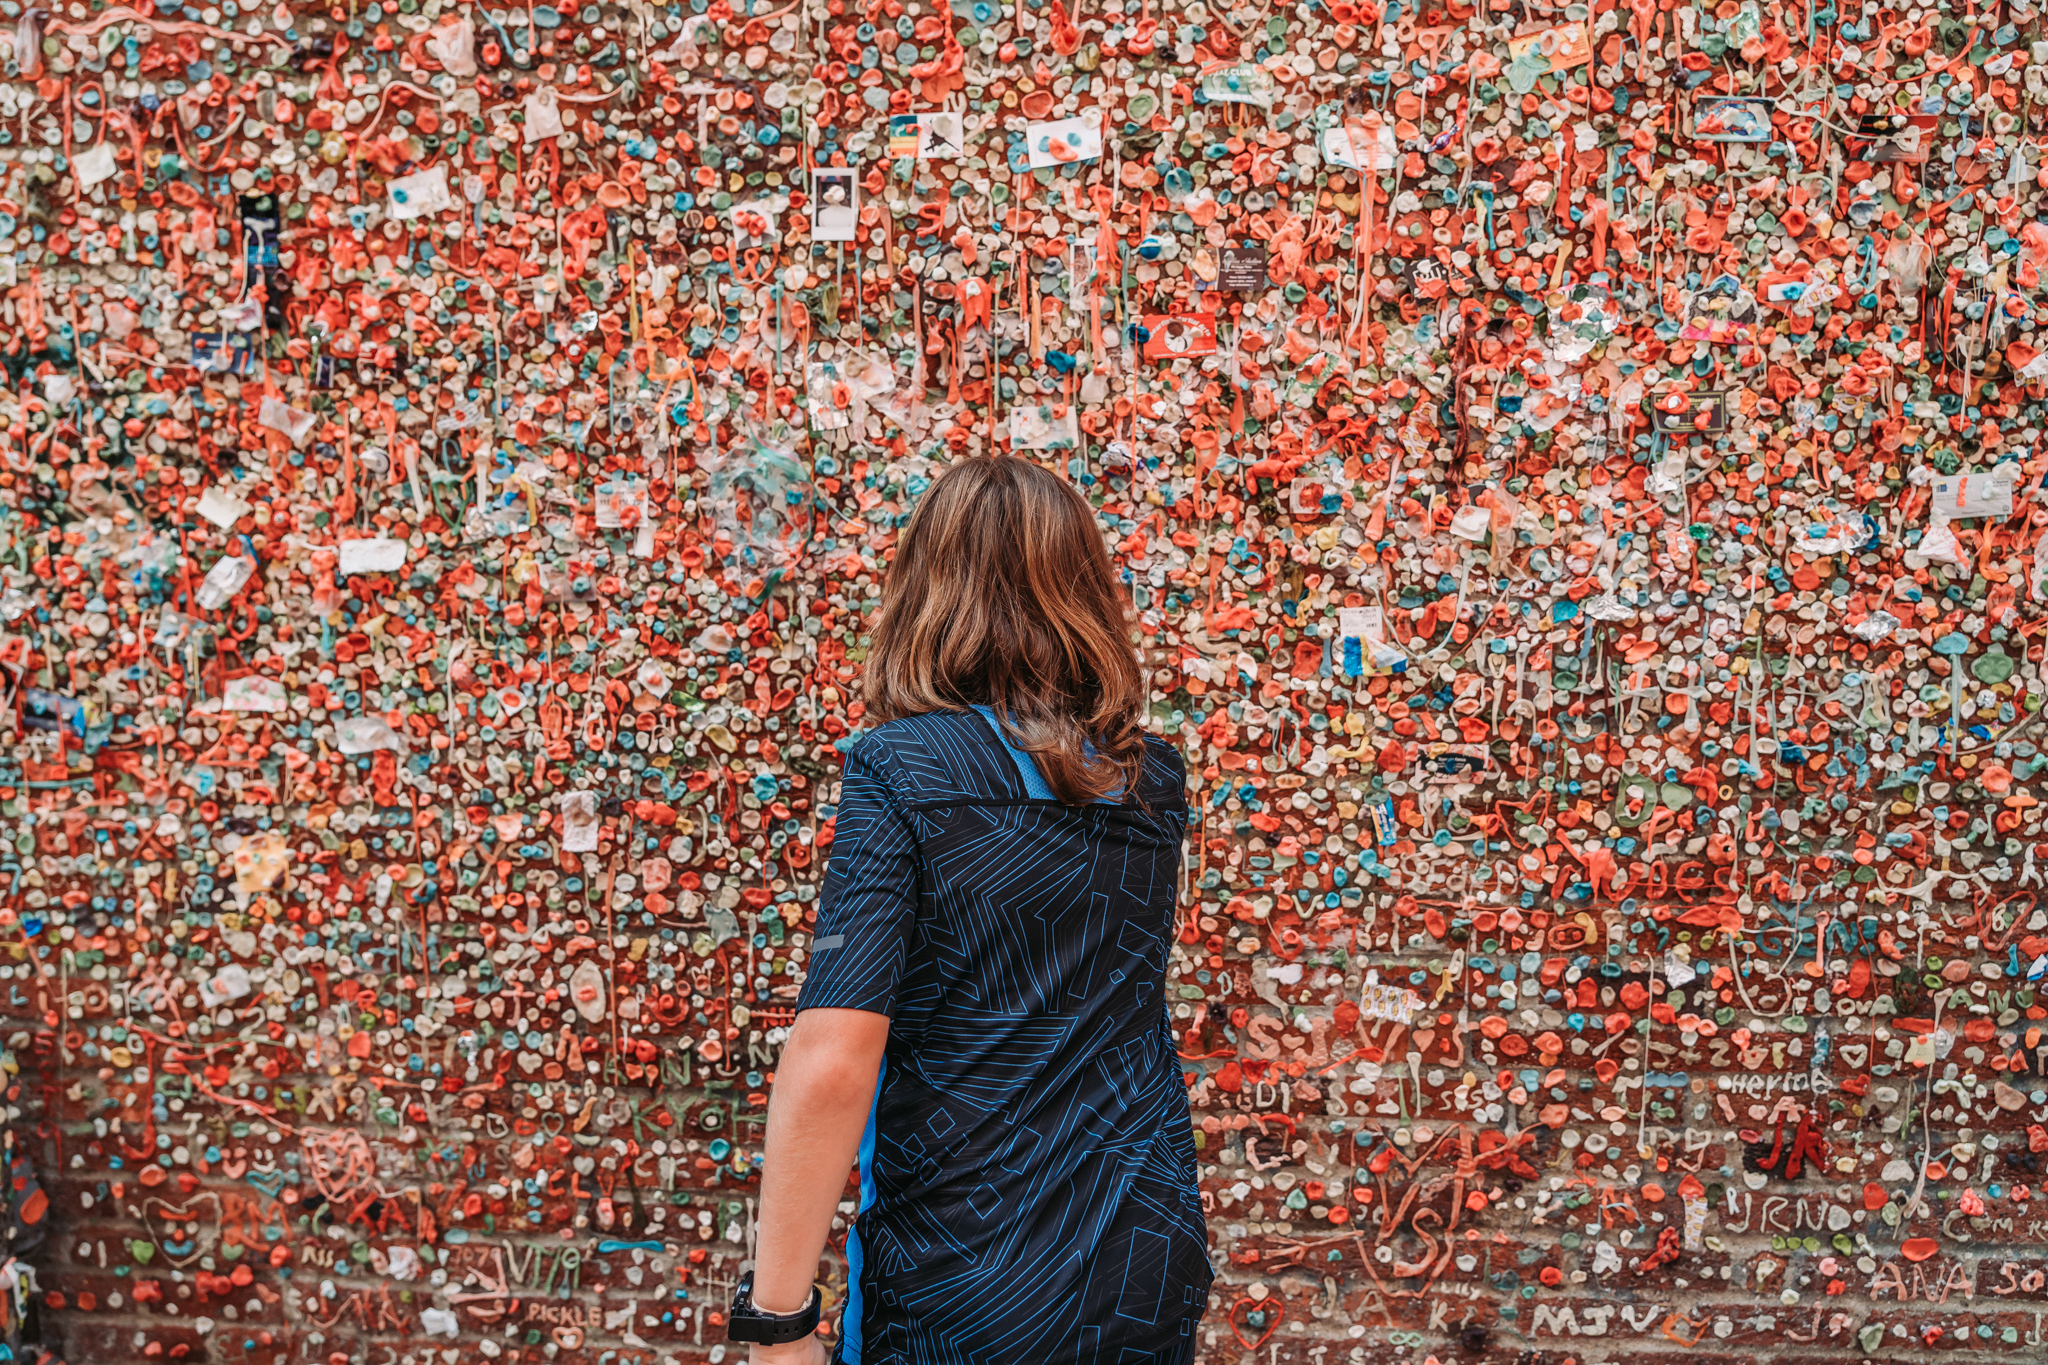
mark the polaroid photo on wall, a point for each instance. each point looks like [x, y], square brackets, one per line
[835, 204]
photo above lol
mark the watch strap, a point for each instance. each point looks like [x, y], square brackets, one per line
[756, 1326]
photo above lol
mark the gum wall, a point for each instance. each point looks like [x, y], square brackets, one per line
[1577, 470]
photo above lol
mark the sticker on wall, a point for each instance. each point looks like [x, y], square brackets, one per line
[1722, 311]
[1178, 335]
[1385, 1002]
[1441, 759]
[1429, 277]
[1905, 138]
[1733, 118]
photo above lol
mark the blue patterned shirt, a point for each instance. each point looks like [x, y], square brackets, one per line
[1028, 1174]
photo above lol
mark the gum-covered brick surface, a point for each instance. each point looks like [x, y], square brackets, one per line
[1577, 474]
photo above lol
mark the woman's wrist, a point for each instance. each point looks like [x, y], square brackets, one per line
[781, 1295]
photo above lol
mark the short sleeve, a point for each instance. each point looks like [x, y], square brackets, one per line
[1166, 777]
[869, 901]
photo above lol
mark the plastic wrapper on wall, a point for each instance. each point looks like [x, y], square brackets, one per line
[1576, 471]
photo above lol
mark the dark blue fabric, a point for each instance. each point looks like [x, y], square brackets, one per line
[1032, 1171]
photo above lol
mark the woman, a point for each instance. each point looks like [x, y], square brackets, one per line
[983, 1020]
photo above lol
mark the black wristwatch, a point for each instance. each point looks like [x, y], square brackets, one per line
[759, 1328]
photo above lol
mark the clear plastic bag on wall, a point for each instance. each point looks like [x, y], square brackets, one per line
[758, 497]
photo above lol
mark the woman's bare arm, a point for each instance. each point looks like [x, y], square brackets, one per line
[824, 1089]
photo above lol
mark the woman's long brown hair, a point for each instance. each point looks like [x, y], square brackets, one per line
[1002, 594]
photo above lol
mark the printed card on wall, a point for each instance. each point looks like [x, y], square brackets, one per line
[754, 222]
[253, 693]
[1453, 760]
[1349, 145]
[1241, 84]
[52, 712]
[939, 136]
[223, 506]
[1043, 426]
[95, 165]
[621, 504]
[830, 400]
[1063, 142]
[903, 135]
[933, 136]
[1682, 410]
[1975, 493]
[1366, 652]
[543, 115]
[417, 195]
[223, 353]
[1313, 497]
[1244, 268]
[374, 554]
